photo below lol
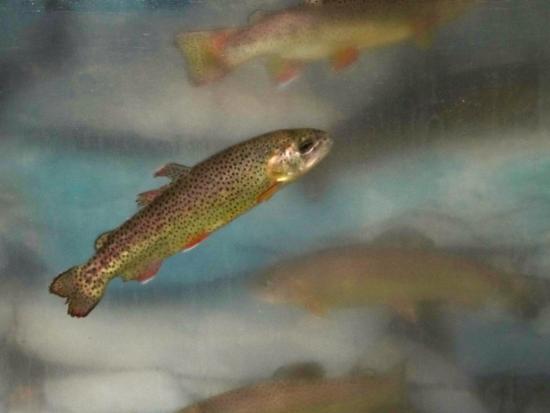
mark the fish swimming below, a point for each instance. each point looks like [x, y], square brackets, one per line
[305, 390]
[181, 214]
[337, 30]
[401, 278]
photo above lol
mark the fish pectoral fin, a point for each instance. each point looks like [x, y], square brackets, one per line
[309, 370]
[145, 198]
[102, 239]
[143, 274]
[406, 310]
[268, 193]
[284, 71]
[344, 58]
[172, 171]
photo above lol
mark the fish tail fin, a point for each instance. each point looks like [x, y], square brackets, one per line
[83, 291]
[203, 52]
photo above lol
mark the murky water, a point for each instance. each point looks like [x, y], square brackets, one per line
[417, 249]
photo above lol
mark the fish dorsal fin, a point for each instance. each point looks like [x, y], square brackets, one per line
[172, 171]
[256, 16]
[403, 237]
[101, 239]
[309, 370]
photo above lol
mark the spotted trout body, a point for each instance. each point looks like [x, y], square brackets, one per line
[355, 394]
[198, 201]
[331, 29]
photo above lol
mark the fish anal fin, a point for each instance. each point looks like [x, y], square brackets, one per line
[101, 239]
[308, 370]
[147, 197]
[143, 274]
[406, 310]
[172, 171]
[284, 71]
[344, 58]
[268, 193]
[195, 241]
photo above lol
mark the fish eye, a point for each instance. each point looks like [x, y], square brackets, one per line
[305, 147]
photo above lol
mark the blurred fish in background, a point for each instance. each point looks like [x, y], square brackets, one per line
[317, 30]
[298, 390]
[399, 277]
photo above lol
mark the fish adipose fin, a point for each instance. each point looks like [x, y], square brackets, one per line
[101, 240]
[203, 53]
[344, 58]
[82, 291]
[173, 171]
[145, 198]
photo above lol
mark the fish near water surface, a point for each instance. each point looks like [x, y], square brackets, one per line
[337, 30]
[401, 278]
[198, 201]
[306, 394]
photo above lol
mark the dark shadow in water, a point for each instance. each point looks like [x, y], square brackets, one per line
[39, 53]
[433, 108]
[509, 393]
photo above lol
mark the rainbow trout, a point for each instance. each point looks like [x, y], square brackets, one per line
[313, 394]
[400, 278]
[331, 29]
[198, 201]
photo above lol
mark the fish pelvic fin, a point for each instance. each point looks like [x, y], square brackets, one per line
[204, 54]
[83, 291]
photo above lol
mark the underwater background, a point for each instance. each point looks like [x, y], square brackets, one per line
[451, 142]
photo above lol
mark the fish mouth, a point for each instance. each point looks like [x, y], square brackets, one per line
[322, 146]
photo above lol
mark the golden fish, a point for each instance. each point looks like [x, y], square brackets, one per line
[316, 30]
[198, 201]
